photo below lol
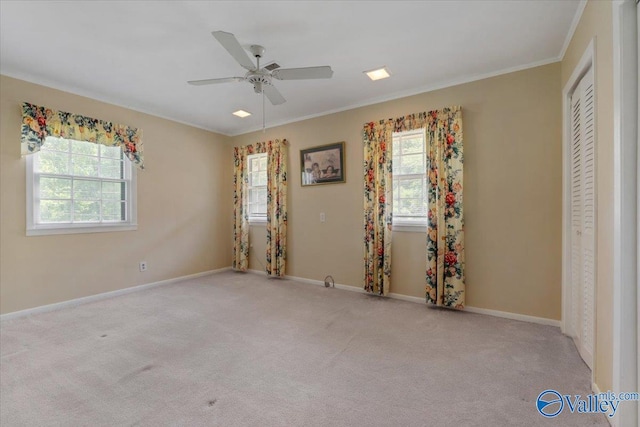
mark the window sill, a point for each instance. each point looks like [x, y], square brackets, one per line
[410, 228]
[45, 230]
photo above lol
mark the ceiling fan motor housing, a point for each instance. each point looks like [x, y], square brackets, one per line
[258, 79]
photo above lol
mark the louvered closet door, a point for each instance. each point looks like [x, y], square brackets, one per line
[583, 197]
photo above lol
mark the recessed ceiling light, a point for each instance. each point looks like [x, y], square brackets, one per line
[242, 113]
[378, 73]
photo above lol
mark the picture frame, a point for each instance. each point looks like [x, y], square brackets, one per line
[324, 164]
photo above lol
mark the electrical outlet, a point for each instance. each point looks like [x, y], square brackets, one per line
[322, 217]
[143, 265]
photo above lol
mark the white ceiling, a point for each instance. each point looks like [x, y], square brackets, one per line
[139, 54]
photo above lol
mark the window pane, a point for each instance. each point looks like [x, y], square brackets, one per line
[257, 201]
[254, 164]
[113, 211]
[82, 147]
[113, 190]
[84, 197]
[55, 188]
[412, 164]
[254, 179]
[262, 197]
[412, 207]
[111, 168]
[253, 209]
[86, 190]
[396, 194]
[411, 188]
[111, 152]
[55, 211]
[56, 144]
[85, 165]
[86, 211]
[53, 162]
[412, 145]
[401, 209]
[263, 163]
[262, 178]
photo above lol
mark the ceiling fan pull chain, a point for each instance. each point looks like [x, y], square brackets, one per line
[263, 119]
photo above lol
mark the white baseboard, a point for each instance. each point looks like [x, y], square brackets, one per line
[312, 281]
[419, 300]
[514, 316]
[104, 295]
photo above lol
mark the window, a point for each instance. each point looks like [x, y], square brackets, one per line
[409, 179]
[257, 189]
[79, 187]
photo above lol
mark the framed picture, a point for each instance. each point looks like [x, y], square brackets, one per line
[323, 164]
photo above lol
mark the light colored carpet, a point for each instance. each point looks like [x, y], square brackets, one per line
[241, 350]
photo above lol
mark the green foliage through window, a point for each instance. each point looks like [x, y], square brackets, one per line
[257, 188]
[409, 176]
[80, 182]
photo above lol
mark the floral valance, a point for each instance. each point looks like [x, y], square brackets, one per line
[427, 120]
[39, 122]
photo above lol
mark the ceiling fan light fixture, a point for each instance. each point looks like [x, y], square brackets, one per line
[378, 73]
[241, 113]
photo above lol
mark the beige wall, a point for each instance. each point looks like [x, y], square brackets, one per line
[183, 210]
[513, 182]
[512, 201]
[597, 22]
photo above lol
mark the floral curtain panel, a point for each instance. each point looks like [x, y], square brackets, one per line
[240, 260]
[39, 122]
[276, 206]
[445, 235]
[377, 206]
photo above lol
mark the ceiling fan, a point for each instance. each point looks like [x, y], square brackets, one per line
[261, 78]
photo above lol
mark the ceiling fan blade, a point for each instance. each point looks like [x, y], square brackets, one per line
[213, 81]
[274, 96]
[324, 72]
[232, 45]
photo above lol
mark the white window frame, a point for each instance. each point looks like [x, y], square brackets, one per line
[259, 218]
[34, 228]
[402, 223]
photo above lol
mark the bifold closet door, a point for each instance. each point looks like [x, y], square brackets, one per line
[583, 199]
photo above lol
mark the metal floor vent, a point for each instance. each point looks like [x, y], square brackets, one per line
[328, 281]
